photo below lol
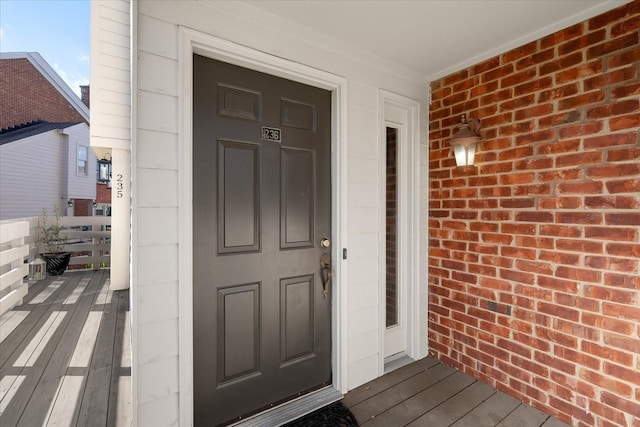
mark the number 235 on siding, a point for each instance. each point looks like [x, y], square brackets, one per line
[119, 186]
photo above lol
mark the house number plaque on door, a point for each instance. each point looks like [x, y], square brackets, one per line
[271, 134]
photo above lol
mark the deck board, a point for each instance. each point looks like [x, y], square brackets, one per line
[95, 401]
[13, 319]
[34, 320]
[54, 373]
[429, 393]
[82, 376]
[524, 416]
[65, 375]
[399, 392]
[120, 364]
[365, 391]
[414, 407]
[31, 357]
[456, 407]
[553, 422]
[490, 412]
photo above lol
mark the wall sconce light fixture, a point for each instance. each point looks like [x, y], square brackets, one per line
[70, 203]
[94, 203]
[104, 171]
[464, 141]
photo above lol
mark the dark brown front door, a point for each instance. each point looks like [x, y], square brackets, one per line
[261, 207]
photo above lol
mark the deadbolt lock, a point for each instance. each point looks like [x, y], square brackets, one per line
[325, 243]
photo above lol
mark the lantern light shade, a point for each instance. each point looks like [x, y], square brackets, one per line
[464, 153]
[464, 141]
[104, 171]
[38, 269]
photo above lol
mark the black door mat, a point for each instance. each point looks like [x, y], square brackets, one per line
[333, 415]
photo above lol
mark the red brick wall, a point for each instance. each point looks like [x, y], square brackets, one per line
[103, 193]
[82, 207]
[27, 96]
[534, 251]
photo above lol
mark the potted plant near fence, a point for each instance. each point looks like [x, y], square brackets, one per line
[53, 243]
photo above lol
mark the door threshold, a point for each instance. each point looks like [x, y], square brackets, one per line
[396, 361]
[292, 409]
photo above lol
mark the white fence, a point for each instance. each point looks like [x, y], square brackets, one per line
[89, 243]
[14, 248]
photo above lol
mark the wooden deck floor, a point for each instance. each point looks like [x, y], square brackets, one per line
[65, 361]
[429, 393]
[65, 354]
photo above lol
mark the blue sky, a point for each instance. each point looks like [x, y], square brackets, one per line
[56, 29]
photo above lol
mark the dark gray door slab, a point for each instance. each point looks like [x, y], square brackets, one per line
[261, 206]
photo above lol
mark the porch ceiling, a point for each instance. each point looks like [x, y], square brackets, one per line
[436, 37]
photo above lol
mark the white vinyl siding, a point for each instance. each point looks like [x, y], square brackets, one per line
[40, 172]
[33, 175]
[80, 185]
[156, 210]
[156, 154]
[110, 74]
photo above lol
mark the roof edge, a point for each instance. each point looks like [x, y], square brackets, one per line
[35, 128]
[52, 77]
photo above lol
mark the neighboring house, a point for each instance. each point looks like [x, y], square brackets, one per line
[103, 199]
[46, 156]
[46, 165]
[32, 90]
[521, 271]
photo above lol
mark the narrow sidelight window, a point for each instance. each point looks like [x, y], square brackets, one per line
[392, 227]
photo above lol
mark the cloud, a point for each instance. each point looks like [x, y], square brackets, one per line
[73, 78]
[5, 30]
[83, 57]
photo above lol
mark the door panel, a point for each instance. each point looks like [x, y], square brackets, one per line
[238, 332]
[239, 102]
[296, 318]
[238, 197]
[298, 115]
[262, 329]
[298, 195]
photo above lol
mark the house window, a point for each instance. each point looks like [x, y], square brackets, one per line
[103, 210]
[83, 160]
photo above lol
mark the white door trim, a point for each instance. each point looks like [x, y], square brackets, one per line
[404, 114]
[191, 42]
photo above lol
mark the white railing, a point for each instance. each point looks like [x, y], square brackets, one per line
[14, 248]
[89, 241]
